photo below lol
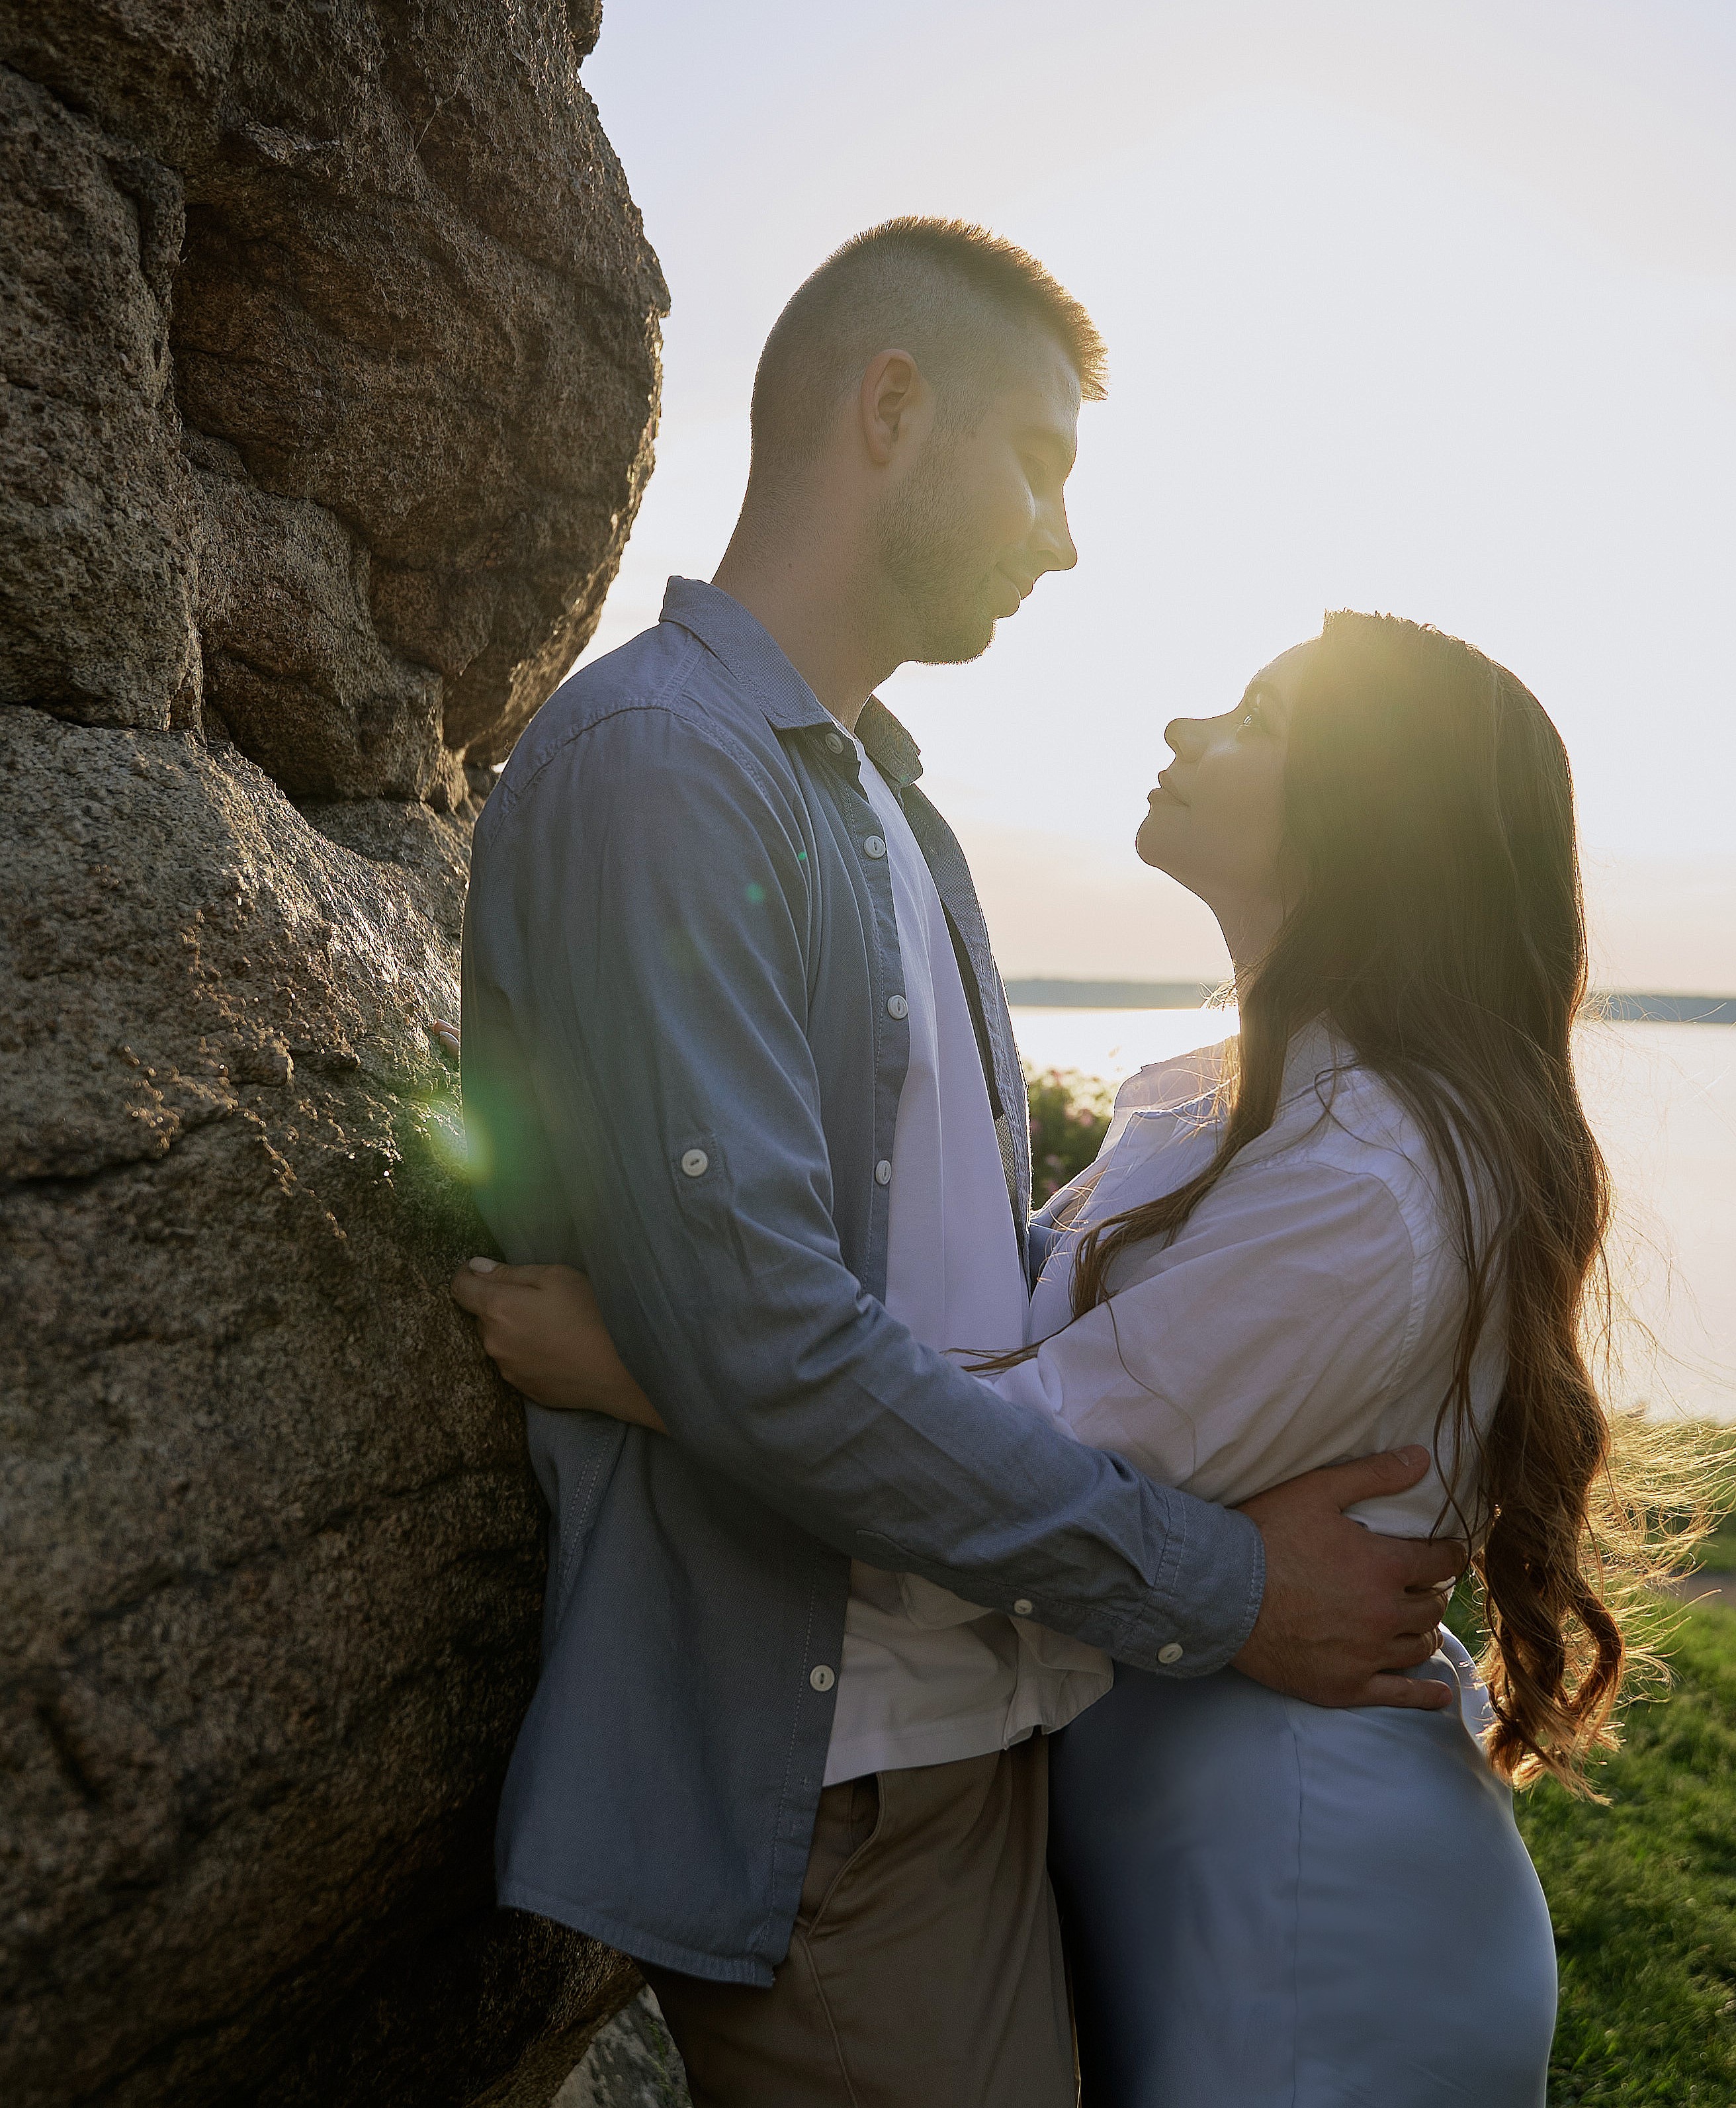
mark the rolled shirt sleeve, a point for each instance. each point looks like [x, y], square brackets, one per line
[666, 1001]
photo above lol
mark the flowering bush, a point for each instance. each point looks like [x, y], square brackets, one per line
[1069, 1114]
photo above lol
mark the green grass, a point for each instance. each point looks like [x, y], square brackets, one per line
[1717, 1553]
[1643, 1893]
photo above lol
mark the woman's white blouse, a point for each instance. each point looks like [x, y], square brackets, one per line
[1308, 1312]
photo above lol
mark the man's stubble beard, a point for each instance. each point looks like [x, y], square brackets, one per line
[934, 567]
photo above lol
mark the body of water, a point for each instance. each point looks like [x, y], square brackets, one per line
[1663, 1099]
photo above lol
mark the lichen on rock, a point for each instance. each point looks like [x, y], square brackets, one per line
[330, 356]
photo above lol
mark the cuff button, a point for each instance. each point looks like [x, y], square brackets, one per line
[1169, 1654]
[695, 1164]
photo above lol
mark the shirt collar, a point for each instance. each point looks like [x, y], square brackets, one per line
[748, 648]
[889, 746]
[750, 652]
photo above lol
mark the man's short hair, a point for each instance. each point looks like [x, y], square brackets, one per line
[955, 297]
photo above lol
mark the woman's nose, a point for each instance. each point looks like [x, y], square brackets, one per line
[1182, 736]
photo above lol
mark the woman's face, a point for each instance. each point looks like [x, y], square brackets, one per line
[1216, 822]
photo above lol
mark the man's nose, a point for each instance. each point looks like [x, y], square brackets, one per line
[1055, 541]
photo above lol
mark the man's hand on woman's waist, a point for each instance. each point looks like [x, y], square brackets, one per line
[1345, 1609]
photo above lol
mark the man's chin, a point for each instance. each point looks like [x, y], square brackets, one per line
[957, 644]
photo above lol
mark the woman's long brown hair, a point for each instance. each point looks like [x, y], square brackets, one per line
[1439, 927]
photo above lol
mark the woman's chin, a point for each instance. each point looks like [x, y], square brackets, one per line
[1150, 846]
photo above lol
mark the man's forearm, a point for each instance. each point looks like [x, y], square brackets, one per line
[894, 1456]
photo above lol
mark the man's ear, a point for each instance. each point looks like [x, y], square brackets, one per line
[893, 397]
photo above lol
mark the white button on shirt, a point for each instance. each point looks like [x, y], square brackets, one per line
[926, 1679]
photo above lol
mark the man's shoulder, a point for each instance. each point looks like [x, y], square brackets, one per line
[662, 667]
[663, 688]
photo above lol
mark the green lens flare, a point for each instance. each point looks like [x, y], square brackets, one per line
[460, 1145]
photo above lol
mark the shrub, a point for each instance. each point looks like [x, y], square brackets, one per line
[1069, 1115]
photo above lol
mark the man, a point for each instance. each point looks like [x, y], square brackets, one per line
[734, 1044]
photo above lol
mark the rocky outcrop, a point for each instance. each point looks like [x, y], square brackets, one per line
[631, 2063]
[330, 352]
[332, 369]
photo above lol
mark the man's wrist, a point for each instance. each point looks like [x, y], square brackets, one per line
[1207, 1597]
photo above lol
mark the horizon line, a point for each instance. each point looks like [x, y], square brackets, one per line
[1621, 1006]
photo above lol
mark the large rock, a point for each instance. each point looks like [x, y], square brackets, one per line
[329, 340]
[97, 570]
[330, 369]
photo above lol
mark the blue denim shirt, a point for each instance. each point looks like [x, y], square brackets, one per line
[680, 1072]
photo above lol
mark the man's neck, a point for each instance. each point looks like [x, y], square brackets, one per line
[803, 598]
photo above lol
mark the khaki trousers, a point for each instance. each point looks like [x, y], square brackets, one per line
[924, 1970]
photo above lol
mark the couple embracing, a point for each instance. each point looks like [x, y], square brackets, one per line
[975, 1644]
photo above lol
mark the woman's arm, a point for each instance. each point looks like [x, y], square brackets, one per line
[541, 1328]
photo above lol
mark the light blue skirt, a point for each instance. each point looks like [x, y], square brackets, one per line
[1269, 1905]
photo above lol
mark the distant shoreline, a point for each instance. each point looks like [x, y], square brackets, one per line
[1624, 1005]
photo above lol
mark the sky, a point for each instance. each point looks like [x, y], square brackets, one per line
[1424, 310]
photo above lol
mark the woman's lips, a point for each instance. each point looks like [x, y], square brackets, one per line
[1166, 789]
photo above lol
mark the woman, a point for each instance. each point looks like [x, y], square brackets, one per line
[1380, 1220]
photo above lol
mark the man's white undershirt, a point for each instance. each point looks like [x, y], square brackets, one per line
[926, 1679]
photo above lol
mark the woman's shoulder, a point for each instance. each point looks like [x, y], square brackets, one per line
[1339, 1115]
[1333, 1113]
[1340, 1126]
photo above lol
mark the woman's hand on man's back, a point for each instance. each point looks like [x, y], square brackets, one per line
[541, 1327]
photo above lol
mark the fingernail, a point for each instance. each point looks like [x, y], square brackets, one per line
[483, 1265]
